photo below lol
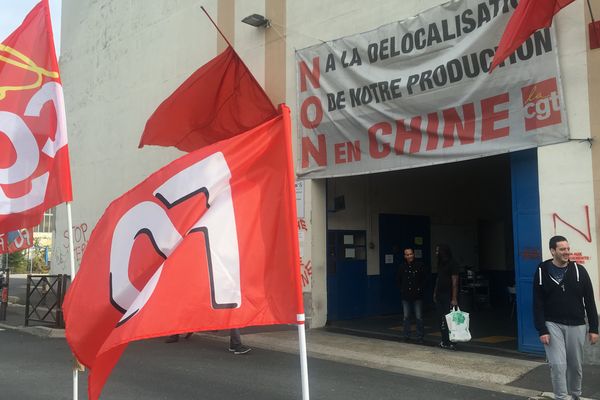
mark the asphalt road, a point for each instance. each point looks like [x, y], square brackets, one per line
[199, 368]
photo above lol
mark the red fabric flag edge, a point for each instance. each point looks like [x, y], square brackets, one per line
[529, 16]
[155, 131]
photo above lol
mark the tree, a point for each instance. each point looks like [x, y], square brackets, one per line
[17, 262]
[39, 258]
[21, 262]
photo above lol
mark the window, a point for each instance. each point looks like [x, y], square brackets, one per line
[47, 224]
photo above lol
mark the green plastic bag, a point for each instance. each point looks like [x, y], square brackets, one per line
[458, 325]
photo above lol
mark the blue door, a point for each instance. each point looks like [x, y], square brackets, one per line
[395, 233]
[527, 239]
[346, 274]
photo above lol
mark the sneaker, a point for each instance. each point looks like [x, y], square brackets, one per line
[241, 349]
[447, 346]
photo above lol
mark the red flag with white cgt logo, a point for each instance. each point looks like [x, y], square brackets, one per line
[207, 242]
[34, 157]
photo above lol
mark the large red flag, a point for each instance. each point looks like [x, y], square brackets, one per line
[34, 158]
[207, 242]
[529, 16]
[218, 101]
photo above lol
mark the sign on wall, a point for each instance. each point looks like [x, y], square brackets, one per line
[418, 92]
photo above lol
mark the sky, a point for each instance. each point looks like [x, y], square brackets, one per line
[12, 13]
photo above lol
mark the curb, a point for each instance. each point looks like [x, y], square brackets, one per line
[16, 324]
[330, 354]
[40, 331]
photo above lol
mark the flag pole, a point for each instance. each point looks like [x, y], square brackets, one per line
[300, 316]
[218, 30]
[72, 262]
[303, 357]
[235, 52]
[71, 246]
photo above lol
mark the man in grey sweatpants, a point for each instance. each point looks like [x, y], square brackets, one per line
[562, 299]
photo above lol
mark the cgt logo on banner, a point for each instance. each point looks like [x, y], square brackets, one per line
[417, 92]
[542, 104]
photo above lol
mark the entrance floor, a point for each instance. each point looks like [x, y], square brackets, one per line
[493, 331]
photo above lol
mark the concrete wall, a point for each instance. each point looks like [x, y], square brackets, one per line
[566, 173]
[593, 66]
[592, 353]
[119, 61]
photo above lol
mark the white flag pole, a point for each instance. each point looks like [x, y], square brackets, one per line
[300, 317]
[71, 246]
[72, 261]
[303, 357]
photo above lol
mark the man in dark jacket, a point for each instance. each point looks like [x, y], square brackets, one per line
[413, 277]
[562, 299]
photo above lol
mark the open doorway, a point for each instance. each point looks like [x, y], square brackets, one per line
[467, 205]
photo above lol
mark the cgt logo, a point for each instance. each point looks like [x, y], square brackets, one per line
[28, 174]
[148, 218]
[541, 104]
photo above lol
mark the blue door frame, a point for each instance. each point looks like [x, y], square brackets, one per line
[527, 239]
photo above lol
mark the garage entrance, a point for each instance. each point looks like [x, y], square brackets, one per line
[486, 210]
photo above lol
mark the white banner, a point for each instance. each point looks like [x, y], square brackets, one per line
[418, 92]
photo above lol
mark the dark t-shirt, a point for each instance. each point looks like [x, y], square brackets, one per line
[556, 272]
[444, 278]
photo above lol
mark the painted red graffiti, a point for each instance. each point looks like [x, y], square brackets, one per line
[302, 225]
[530, 253]
[306, 273]
[588, 236]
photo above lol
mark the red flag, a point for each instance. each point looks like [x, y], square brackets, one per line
[207, 242]
[218, 101]
[18, 240]
[34, 158]
[529, 16]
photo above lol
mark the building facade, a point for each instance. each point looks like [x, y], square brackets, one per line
[496, 209]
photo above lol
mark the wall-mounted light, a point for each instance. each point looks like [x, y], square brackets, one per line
[257, 21]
